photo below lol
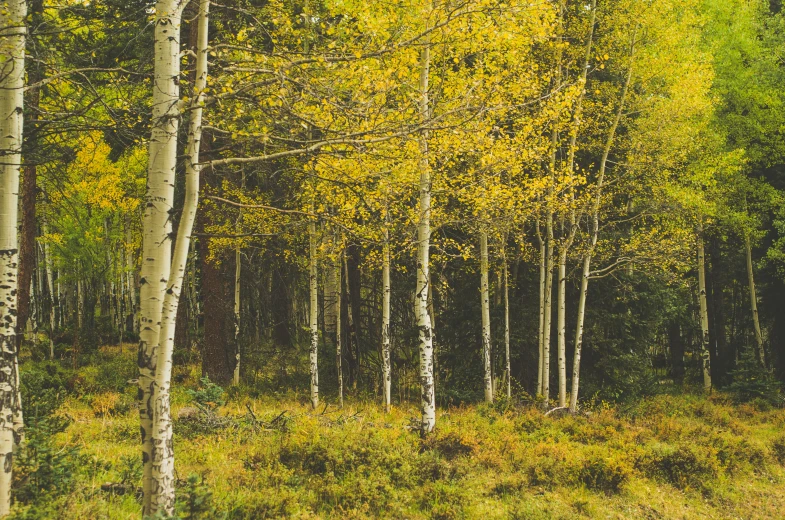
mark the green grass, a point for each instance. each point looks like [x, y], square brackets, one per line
[683, 456]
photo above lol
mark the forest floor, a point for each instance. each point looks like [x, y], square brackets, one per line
[669, 456]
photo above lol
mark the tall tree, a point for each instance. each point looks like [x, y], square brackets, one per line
[12, 75]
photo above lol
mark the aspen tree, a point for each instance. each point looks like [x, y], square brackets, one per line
[507, 368]
[486, 317]
[386, 365]
[338, 292]
[704, 311]
[427, 390]
[162, 468]
[313, 314]
[12, 67]
[595, 230]
[157, 224]
[753, 299]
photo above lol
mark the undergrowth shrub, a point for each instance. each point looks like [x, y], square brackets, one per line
[685, 466]
[754, 384]
[778, 449]
[605, 473]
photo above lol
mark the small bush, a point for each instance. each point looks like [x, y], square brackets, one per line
[210, 395]
[753, 383]
[604, 473]
[450, 445]
[778, 449]
[684, 466]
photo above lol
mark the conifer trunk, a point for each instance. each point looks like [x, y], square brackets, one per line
[12, 47]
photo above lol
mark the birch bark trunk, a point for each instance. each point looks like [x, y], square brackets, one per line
[51, 285]
[427, 389]
[541, 334]
[237, 273]
[386, 366]
[163, 148]
[754, 300]
[548, 304]
[586, 272]
[338, 279]
[313, 315]
[486, 317]
[704, 312]
[12, 69]
[561, 326]
[508, 368]
[157, 224]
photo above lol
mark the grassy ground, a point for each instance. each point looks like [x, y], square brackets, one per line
[682, 456]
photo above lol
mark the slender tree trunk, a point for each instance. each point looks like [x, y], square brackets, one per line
[754, 300]
[338, 325]
[704, 312]
[561, 327]
[12, 48]
[313, 317]
[507, 362]
[354, 361]
[386, 365]
[237, 273]
[486, 317]
[158, 484]
[541, 334]
[595, 215]
[427, 387]
[547, 301]
[50, 284]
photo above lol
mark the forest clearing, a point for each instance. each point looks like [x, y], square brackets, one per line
[398, 259]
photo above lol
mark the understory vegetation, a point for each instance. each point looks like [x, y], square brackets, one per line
[672, 455]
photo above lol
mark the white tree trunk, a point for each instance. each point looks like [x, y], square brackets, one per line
[12, 74]
[541, 334]
[313, 315]
[704, 313]
[427, 387]
[508, 368]
[486, 317]
[163, 149]
[338, 288]
[386, 365]
[548, 304]
[754, 300]
[237, 272]
[576, 363]
[594, 238]
[561, 326]
[51, 285]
